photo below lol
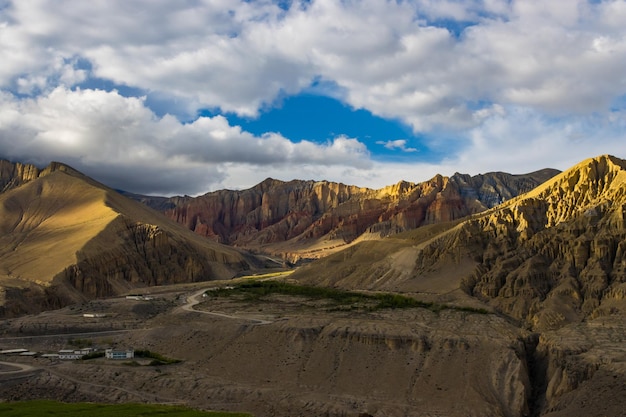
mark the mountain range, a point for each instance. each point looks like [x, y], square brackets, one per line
[66, 237]
[544, 248]
[309, 219]
[552, 256]
[530, 270]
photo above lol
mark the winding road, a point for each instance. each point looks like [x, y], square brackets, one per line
[12, 370]
[194, 300]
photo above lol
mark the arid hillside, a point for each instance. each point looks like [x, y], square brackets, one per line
[64, 238]
[553, 256]
[553, 261]
[308, 219]
[297, 355]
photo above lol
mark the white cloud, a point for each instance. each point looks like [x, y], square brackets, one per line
[121, 142]
[399, 144]
[240, 55]
[527, 83]
[519, 140]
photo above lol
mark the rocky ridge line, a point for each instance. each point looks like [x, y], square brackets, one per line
[291, 219]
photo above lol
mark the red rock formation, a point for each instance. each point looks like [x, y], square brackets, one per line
[302, 212]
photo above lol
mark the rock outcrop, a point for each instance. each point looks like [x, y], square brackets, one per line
[13, 175]
[64, 238]
[557, 254]
[307, 219]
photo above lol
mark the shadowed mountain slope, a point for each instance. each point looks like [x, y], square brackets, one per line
[64, 238]
[307, 219]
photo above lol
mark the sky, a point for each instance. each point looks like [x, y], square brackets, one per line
[185, 97]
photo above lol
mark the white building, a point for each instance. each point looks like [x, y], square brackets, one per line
[119, 353]
[50, 355]
[140, 297]
[73, 354]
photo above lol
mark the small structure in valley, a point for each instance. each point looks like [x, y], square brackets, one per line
[94, 315]
[139, 297]
[119, 353]
[73, 354]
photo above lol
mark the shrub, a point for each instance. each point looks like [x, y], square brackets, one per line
[93, 355]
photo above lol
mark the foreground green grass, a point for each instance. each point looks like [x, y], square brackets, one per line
[52, 408]
[255, 290]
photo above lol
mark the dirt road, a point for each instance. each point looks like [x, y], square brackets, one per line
[195, 299]
[11, 370]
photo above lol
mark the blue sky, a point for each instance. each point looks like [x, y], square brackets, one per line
[189, 97]
[319, 118]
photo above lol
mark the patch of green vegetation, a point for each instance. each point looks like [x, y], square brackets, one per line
[157, 359]
[388, 300]
[52, 408]
[473, 310]
[93, 355]
[256, 290]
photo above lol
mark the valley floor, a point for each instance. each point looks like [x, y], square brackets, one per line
[291, 356]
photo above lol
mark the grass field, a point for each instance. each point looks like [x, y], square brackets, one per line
[52, 408]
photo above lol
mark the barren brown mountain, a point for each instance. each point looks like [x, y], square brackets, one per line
[307, 219]
[553, 259]
[65, 238]
[552, 256]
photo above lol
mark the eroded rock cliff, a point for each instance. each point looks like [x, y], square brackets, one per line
[12, 175]
[309, 219]
[556, 255]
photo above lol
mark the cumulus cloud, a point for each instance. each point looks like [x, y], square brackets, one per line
[124, 144]
[399, 144]
[520, 140]
[516, 84]
[386, 56]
